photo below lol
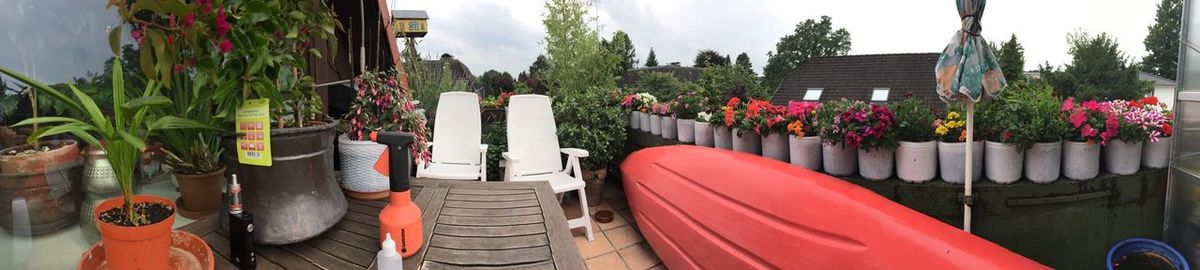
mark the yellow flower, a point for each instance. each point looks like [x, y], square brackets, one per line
[941, 130]
[952, 115]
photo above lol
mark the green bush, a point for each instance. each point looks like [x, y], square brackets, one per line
[662, 85]
[1025, 114]
[494, 136]
[586, 121]
[719, 83]
[914, 120]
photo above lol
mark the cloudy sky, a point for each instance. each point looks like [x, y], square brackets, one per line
[506, 35]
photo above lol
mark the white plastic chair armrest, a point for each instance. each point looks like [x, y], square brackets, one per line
[574, 152]
[483, 148]
[510, 165]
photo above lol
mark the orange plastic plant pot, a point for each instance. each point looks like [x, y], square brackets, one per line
[142, 247]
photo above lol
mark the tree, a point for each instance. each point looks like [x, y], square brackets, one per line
[1163, 40]
[622, 46]
[651, 61]
[538, 66]
[1012, 59]
[708, 57]
[1098, 71]
[574, 54]
[810, 39]
[743, 61]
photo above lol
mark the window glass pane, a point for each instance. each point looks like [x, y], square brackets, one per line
[813, 94]
[880, 94]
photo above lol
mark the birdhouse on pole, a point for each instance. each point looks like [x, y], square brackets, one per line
[410, 23]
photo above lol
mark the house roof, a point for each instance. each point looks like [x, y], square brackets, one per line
[458, 70]
[685, 74]
[410, 14]
[855, 77]
[1158, 81]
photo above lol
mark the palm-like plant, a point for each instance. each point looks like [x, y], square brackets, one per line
[122, 135]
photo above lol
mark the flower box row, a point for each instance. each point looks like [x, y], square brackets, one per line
[1023, 135]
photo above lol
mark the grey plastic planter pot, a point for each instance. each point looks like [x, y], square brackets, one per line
[687, 130]
[917, 162]
[839, 160]
[1043, 162]
[644, 120]
[655, 124]
[704, 134]
[952, 159]
[722, 137]
[1157, 155]
[635, 121]
[876, 164]
[1080, 160]
[669, 127]
[747, 142]
[775, 146]
[358, 165]
[805, 151]
[1003, 162]
[1121, 157]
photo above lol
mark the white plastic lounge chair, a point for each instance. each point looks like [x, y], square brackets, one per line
[458, 154]
[533, 153]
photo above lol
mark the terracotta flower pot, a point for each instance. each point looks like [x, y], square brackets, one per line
[46, 188]
[142, 247]
[201, 194]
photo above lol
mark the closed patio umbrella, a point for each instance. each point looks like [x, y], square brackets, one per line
[967, 72]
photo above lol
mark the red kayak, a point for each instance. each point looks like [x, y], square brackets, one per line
[705, 208]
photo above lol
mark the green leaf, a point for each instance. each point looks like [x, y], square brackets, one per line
[40, 87]
[114, 40]
[314, 52]
[147, 101]
[146, 62]
[132, 140]
[46, 120]
[174, 6]
[296, 14]
[172, 122]
[93, 111]
[60, 129]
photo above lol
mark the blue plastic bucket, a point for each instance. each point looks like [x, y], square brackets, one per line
[1136, 245]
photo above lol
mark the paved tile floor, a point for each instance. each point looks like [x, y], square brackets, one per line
[617, 244]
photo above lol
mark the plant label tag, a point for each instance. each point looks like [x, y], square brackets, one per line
[254, 133]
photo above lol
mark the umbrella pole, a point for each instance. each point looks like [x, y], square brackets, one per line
[967, 200]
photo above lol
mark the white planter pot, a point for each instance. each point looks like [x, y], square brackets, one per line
[358, 165]
[746, 142]
[1003, 162]
[644, 119]
[655, 124]
[1080, 160]
[1043, 162]
[876, 164]
[722, 137]
[668, 127]
[704, 134]
[952, 159]
[917, 162]
[635, 121]
[805, 151]
[1157, 155]
[687, 130]
[775, 146]
[838, 159]
[1122, 158]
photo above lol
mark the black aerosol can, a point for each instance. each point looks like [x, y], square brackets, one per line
[241, 230]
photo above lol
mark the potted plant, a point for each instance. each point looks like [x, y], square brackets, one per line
[1043, 158]
[492, 108]
[836, 157]
[631, 103]
[771, 127]
[587, 123]
[687, 106]
[1002, 123]
[44, 175]
[380, 104]
[656, 118]
[645, 103]
[135, 229]
[704, 129]
[952, 153]
[868, 128]
[745, 139]
[667, 119]
[916, 153]
[804, 146]
[724, 124]
[1156, 154]
[1135, 124]
[1090, 124]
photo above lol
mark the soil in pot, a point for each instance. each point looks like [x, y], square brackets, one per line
[154, 212]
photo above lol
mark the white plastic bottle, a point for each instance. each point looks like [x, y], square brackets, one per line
[387, 258]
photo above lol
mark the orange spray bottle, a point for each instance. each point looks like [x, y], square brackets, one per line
[400, 218]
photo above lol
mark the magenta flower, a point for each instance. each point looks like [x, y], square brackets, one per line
[222, 25]
[189, 19]
[1087, 131]
[1078, 117]
[226, 46]
[1068, 104]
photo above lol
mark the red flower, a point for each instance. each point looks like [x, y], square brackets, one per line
[1006, 135]
[222, 25]
[189, 19]
[226, 46]
[1167, 129]
[733, 102]
[1150, 100]
[1068, 104]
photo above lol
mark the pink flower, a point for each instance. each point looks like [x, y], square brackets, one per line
[1078, 117]
[1087, 131]
[222, 25]
[1068, 104]
[189, 19]
[226, 46]
[1092, 105]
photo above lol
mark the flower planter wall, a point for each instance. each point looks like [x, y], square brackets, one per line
[1080, 160]
[1043, 162]
[655, 124]
[1157, 155]
[298, 197]
[644, 121]
[1003, 162]
[876, 164]
[722, 137]
[746, 142]
[668, 127]
[358, 165]
[687, 130]
[1122, 157]
[775, 146]
[635, 121]
[917, 162]
[952, 161]
[46, 187]
[805, 151]
[839, 160]
[704, 134]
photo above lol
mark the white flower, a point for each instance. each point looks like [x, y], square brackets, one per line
[704, 117]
